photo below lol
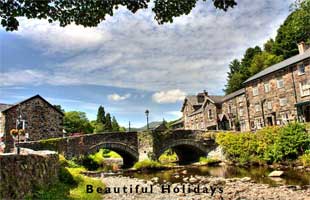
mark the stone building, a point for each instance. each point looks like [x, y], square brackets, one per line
[40, 119]
[235, 111]
[280, 93]
[200, 111]
[275, 96]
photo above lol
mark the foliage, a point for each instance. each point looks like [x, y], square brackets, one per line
[271, 144]
[57, 190]
[59, 108]
[81, 180]
[114, 124]
[90, 13]
[305, 159]
[209, 161]
[168, 156]
[296, 28]
[77, 122]
[93, 161]
[101, 115]
[110, 154]
[147, 164]
[108, 124]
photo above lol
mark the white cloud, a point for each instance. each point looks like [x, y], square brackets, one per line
[132, 51]
[175, 113]
[117, 97]
[170, 96]
[55, 39]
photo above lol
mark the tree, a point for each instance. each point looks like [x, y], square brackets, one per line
[101, 115]
[295, 29]
[59, 108]
[262, 61]
[108, 123]
[115, 125]
[77, 122]
[90, 13]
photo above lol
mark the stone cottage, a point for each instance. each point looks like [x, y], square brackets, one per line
[40, 119]
[275, 96]
[280, 93]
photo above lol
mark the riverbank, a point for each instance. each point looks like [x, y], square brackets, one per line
[235, 188]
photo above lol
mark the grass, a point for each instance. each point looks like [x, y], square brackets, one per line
[305, 159]
[209, 161]
[147, 164]
[71, 184]
[168, 157]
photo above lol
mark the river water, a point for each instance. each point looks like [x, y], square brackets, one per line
[258, 174]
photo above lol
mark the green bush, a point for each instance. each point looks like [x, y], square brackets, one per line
[209, 161]
[147, 164]
[305, 159]
[93, 161]
[271, 144]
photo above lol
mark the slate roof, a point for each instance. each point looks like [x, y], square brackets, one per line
[216, 99]
[234, 94]
[280, 65]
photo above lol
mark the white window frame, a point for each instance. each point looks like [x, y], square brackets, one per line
[301, 66]
[268, 87]
[241, 112]
[269, 105]
[255, 91]
[304, 89]
[281, 101]
[280, 80]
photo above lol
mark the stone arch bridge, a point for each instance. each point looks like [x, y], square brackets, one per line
[132, 146]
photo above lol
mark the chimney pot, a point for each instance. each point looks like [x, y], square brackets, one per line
[302, 47]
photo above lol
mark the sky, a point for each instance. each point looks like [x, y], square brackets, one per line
[129, 63]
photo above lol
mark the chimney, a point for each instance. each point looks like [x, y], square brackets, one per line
[302, 47]
[205, 92]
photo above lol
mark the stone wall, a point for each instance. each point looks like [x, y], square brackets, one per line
[43, 121]
[20, 174]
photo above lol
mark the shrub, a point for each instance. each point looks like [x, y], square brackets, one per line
[147, 164]
[209, 161]
[305, 159]
[93, 161]
[271, 144]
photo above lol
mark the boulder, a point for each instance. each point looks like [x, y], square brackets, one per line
[276, 173]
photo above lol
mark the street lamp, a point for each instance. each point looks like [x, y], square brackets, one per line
[19, 126]
[147, 118]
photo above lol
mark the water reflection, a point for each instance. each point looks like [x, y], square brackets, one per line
[258, 174]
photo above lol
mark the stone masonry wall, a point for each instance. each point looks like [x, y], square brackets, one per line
[19, 174]
[43, 121]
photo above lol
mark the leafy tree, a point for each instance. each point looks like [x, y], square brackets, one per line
[269, 45]
[101, 115]
[262, 61]
[115, 125]
[77, 122]
[90, 13]
[295, 29]
[108, 123]
[247, 60]
[235, 83]
[59, 108]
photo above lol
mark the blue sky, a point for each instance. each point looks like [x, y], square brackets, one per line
[129, 63]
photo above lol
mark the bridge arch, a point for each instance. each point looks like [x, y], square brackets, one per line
[129, 155]
[187, 150]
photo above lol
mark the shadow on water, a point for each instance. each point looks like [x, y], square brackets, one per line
[258, 174]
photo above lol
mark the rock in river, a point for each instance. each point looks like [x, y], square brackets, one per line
[276, 173]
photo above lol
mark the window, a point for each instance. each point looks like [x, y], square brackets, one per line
[267, 87]
[280, 83]
[301, 69]
[269, 105]
[283, 101]
[241, 112]
[257, 107]
[255, 91]
[210, 114]
[305, 88]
